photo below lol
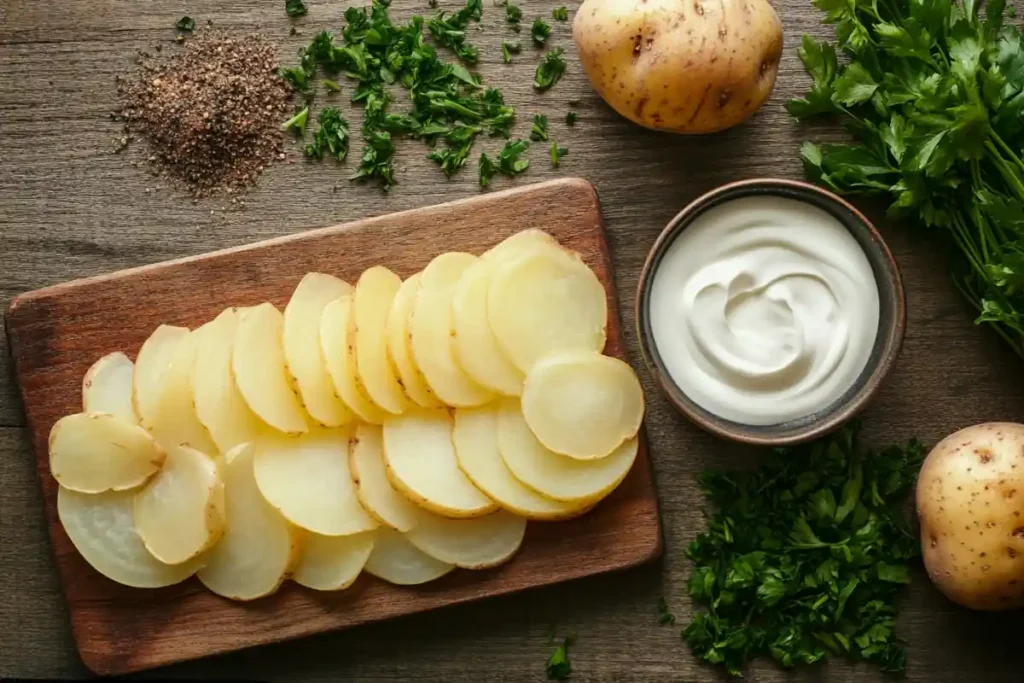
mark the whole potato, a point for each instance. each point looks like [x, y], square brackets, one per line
[685, 66]
[970, 500]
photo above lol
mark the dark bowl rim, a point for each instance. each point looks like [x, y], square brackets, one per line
[841, 413]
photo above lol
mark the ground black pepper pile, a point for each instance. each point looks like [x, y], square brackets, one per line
[211, 113]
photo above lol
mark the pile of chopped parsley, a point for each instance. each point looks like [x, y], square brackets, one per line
[805, 556]
[450, 105]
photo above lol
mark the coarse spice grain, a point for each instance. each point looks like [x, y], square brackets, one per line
[211, 113]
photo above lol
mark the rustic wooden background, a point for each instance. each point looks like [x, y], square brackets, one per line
[69, 208]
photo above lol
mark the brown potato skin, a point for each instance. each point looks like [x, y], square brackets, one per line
[684, 66]
[970, 502]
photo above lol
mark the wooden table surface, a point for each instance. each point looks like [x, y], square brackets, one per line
[70, 208]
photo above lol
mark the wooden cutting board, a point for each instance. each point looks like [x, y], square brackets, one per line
[58, 332]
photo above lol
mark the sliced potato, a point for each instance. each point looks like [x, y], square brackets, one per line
[476, 446]
[470, 543]
[421, 463]
[257, 360]
[546, 300]
[176, 422]
[102, 529]
[302, 347]
[338, 346]
[552, 474]
[150, 365]
[107, 387]
[582, 404]
[400, 348]
[180, 513]
[375, 491]
[395, 560]
[219, 404]
[307, 479]
[515, 244]
[332, 563]
[371, 304]
[95, 452]
[260, 547]
[431, 333]
[476, 349]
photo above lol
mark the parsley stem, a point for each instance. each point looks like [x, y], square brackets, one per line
[1006, 148]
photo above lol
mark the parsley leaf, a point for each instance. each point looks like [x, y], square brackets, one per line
[557, 153]
[509, 49]
[560, 13]
[449, 29]
[570, 118]
[558, 667]
[550, 70]
[513, 15]
[295, 8]
[664, 616]
[540, 31]
[804, 557]
[509, 163]
[331, 86]
[297, 123]
[186, 23]
[539, 131]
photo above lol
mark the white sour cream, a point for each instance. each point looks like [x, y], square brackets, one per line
[764, 310]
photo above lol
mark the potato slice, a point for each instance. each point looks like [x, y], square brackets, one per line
[308, 480]
[470, 543]
[574, 481]
[395, 560]
[257, 360]
[431, 333]
[219, 404]
[546, 300]
[476, 446]
[180, 513]
[421, 463]
[582, 404]
[96, 452]
[333, 563]
[337, 343]
[150, 366]
[476, 349]
[519, 243]
[302, 347]
[107, 387]
[371, 304]
[400, 349]
[102, 529]
[260, 547]
[373, 488]
[176, 422]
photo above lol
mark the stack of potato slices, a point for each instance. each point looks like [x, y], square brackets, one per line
[402, 428]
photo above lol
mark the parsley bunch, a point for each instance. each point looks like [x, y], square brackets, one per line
[933, 93]
[804, 556]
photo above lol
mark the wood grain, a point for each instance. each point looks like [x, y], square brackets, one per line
[57, 332]
[69, 209]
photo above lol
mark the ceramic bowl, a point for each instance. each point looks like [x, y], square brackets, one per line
[892, 316]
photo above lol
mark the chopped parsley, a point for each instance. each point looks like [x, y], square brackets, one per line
[509, 162]
[513, 15]
[550, 70]
[297, 123]
[559, 668]
[449, 29]
[186, 23]
[450, 106]
[508, 49]
[295, 8]
[557, 153]
[805, 556]
[560, 13]
[664, 615]
[331, 137]
[540, 31]
[331, 86]
[539, 131]
[570, 118]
